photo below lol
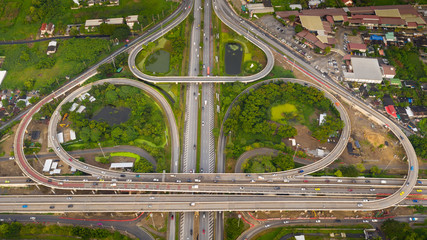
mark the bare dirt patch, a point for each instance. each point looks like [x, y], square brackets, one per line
[155, 223]
[9, 168]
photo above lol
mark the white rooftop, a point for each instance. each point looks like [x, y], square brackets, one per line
[61, 137]
[73, 107]
[2, 75]
[47, 165]
[72, 134]
[52, 43]
[93, 22]
[364, 69]
[122, 165]
[322, 118]
[132, 18]
[114, 21]
[81, 109]
[84, 96]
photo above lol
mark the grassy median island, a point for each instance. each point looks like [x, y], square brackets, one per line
[164, 57]
[235, 51]
[270, 113]
[129, 117]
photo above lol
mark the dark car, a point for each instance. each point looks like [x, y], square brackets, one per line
[28, 180]
[52, 207]
[122, 175]
[276, 188]
[95, 184]
[367, 181]
[70, 206]
[49, 180]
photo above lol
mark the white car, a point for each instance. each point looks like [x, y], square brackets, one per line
[374, 220]
[302, 189]
[339, 180]
[318, 221]
[155, 179]
[285, 222]
[365, 221]
[365, 200]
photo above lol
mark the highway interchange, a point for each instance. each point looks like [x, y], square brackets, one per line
[227, 183]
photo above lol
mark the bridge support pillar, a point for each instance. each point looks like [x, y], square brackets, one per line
[305, 211]
[330, 211]
[53, 191]
[37, 186]
[93, 192]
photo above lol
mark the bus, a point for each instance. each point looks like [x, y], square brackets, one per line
[207, 71]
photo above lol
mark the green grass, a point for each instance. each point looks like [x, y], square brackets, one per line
[126, 154]
[276, 111]
[14, 15]
[250, 51]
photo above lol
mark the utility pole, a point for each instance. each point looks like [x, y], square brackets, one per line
[99, 144]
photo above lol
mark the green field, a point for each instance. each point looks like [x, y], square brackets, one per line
[28, 67]
[20, 19]
[277, 111]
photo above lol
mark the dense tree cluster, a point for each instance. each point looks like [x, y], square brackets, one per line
[327, 128]
[402, 231]
[46, 110]
[47, 9]
[262, 164]
[420, 145]
[143, 166]
[146, 119]
[121, 32]
[407, 62]
[178, 45]
[84, 50]
[250, 115]
[16, 229]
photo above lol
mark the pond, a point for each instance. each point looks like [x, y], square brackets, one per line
[112, 115]
[233, 58]
[158, 62]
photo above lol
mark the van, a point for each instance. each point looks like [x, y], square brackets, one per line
[195, 186]
[383, 181]
[113, 184]
[197, 180]
[193, 204]
[260, 177]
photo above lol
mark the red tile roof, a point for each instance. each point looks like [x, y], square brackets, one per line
[43, 27]
[388, 70]
[286, 14]
[320, 45]
[412, 24]
[323, 12]
[392, 21]
[366, 17]
[329, 19]
[356, 46]
[332, 41]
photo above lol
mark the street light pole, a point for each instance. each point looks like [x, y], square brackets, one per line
[99, 144]
[295, 153]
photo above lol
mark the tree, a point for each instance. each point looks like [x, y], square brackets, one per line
[298, 28]
[143, 166]
[327, 50]
[338, 173]
[375, 170]
[5, 102]
[85, 134]
[21, 104]
[360, 167]
[420, 145]
[95, 135]
[286, 131]
[74, 31]
[106, 69]
[292, 18]
[122, 32]
[394, 229]
[349, 171]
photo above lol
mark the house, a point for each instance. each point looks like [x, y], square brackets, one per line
[395, 82]
[295, 6]
[388, 71]
[391, 110]
[50, 28]
[423, 86]
[91, 24]
[2, 75]
[43, 29]
[314, 3]
[364, 70]
[409, 83]
[131, 20]
[419, 111]
[347, 3]
[259, 8]
[51, 47]
[114, 21]
[322, 118]
[357, 47]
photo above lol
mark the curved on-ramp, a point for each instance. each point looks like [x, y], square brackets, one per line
[223, 13]
[68, 159]
[310, 168]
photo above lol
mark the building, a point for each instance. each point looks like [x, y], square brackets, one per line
[81, 109]
[2, 75]
[124, 165]
[295, 6]
[348, 3]
[388, 71]
[396, 82]
[43, 29]
[91, 24]
[72, 135]
[131, 20]
[391, 110]
[419, 111]
[51, 47]
[50, 28]
[322, 118]
[409, 84]
[114, 21]
[47, 164]
[259, 8]
[363, 70]
[357, 47]
[73, 107]
[423, 85]
[60, 136]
